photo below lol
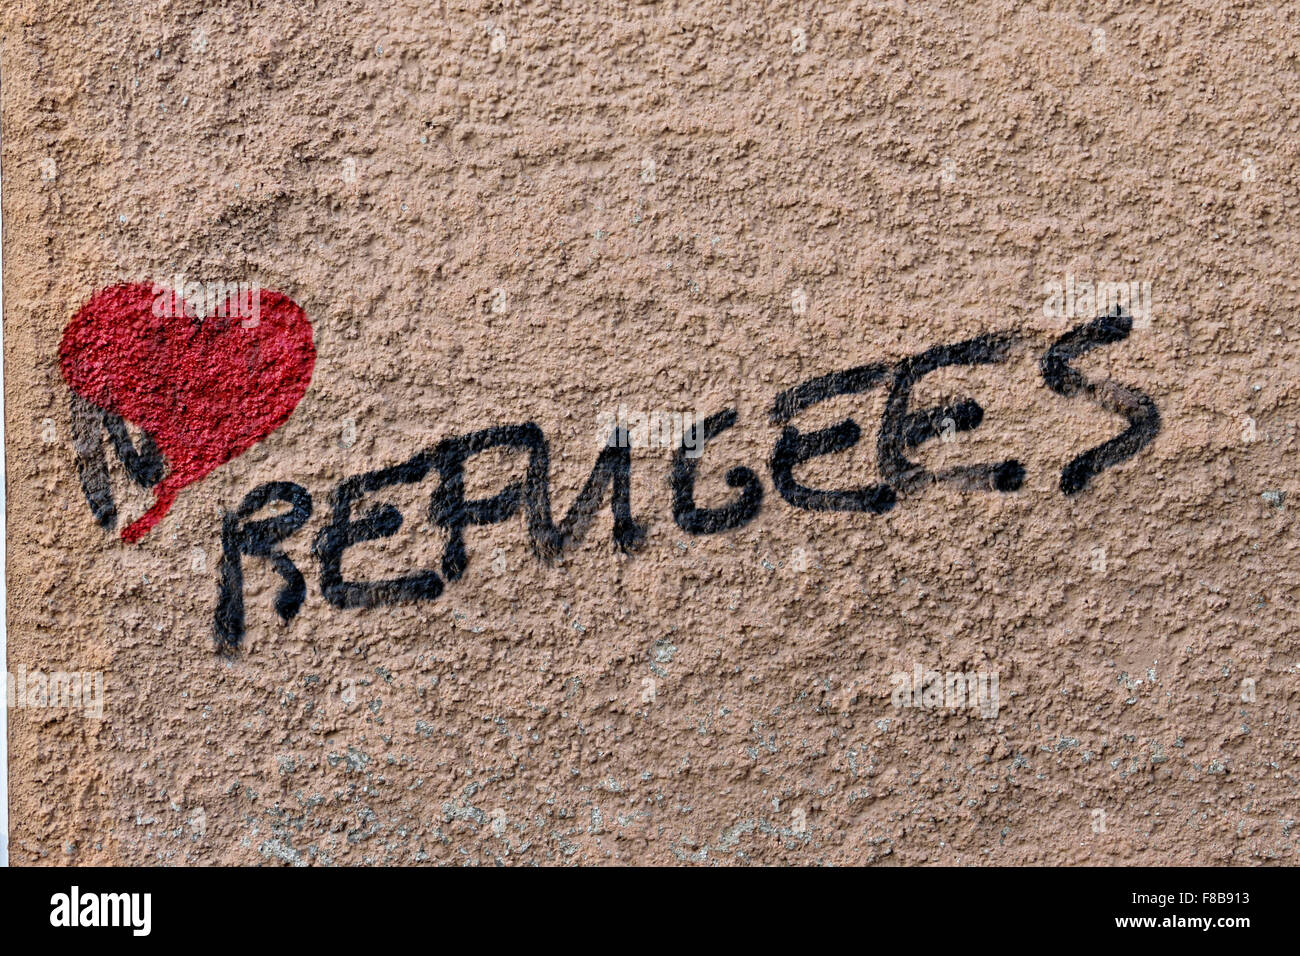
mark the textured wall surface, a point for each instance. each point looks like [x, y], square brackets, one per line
[502, 214]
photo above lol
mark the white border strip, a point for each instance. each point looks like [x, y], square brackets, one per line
[4, 592]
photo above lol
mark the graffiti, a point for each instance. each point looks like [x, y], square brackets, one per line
[794, 448]
[202, 391]
[695, 520]
[903, 429]
[144, 465]
[1143, 418]
[110, 387]
[259, 539]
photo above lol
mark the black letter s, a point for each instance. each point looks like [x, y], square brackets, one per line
[1143, 418]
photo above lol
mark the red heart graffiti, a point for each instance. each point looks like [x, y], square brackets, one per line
[205, 390]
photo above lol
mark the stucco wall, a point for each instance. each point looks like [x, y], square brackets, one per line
[513, 214]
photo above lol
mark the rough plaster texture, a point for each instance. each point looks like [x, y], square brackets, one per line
[921, 171]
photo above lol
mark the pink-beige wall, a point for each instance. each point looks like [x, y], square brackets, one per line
[532, 215]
